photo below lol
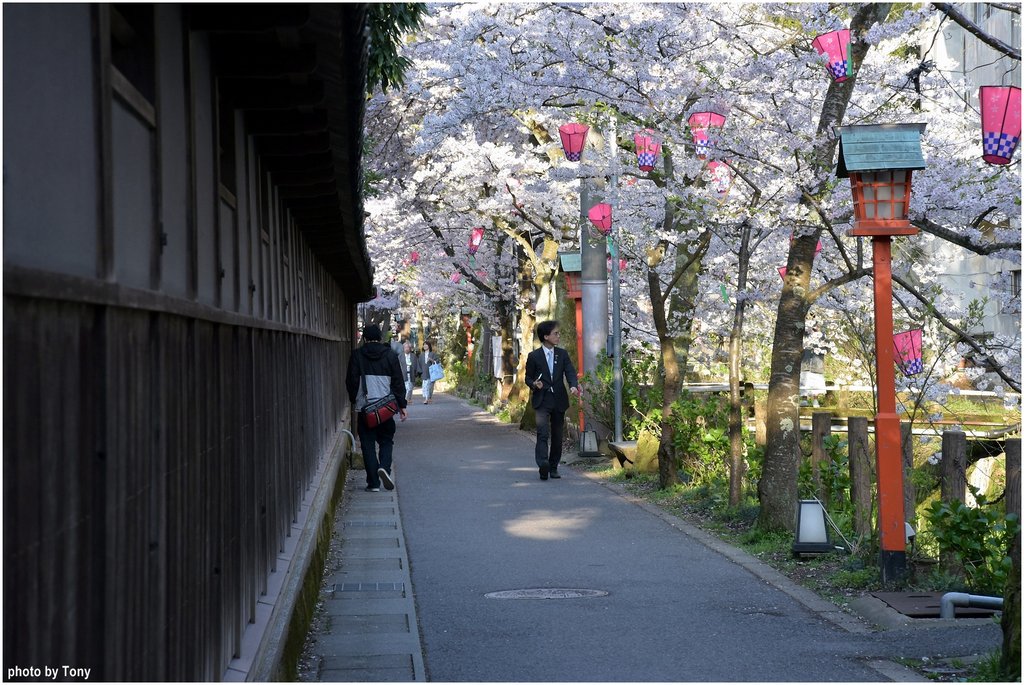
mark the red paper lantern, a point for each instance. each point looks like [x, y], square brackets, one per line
[456, 277]
[1000, 122]
[601, 216]
[647, 149]
[475, 238]
[622, 263]
[573, 136]
[782, 272]
[907, 346]
[414, 257]
[836, 47]
[700, 125]
[721, 179]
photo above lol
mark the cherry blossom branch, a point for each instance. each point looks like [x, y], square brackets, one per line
[949, 235]
[850, 277]
[964, 335]
[975, 30]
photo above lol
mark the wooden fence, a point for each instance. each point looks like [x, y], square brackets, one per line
[154, 464]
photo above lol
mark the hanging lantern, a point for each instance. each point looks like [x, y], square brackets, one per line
[908, 351]
[573, 136]
[622, 263]
[456, 277]
[835, 46]
[475, 238]
[721, 179]
[782, 272]
[1000, 122]
[647, 149]
[601, 216]
[700, 125]
[414, 257]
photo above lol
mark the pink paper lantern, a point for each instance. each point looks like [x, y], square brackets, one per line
[700, 125]
[782, 272]
[601, 216]
[622, 263]
[835, 46]
[1000, 122]
[721, 178]
[456, 277]
[647, 149]
[907, 346]
[414, 257]
[475, 238]
[573, 136]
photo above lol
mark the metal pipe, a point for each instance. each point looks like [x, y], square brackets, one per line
[951, 600]
[614, 250]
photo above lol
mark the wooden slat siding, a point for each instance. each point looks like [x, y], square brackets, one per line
[146, 447]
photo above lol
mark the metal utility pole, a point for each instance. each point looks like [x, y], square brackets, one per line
[613, 245]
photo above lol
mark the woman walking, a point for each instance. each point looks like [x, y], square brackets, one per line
[426, 360]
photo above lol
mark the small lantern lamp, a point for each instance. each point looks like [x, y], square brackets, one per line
[414, 257]
[879, 159]
[1000, 122]
[647, 149]
[907, 346]
[721, 179]
[475, 238]
[573, 136]
[700, 123]
[811, 531]
[836, 47]
[601, 216]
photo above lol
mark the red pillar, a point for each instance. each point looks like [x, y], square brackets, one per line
[888, 454]
[889, 460]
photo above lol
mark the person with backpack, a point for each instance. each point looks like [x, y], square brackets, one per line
[374, 373]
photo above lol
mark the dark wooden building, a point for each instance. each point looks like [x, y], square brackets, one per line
[183, 255]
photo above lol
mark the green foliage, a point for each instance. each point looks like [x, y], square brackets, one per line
[641, 401]
[989, 670]
[388, 23]
[980, 538]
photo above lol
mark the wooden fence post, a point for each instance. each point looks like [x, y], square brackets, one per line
[821, 427]
[860, 475]
[909, 489]
[954, 466]
[1013, 492]
[760, 422]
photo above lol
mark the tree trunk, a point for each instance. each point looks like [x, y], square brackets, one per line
[736, 465]
[508, 368]
[1010, 662]
[666, 453]
[777, 489]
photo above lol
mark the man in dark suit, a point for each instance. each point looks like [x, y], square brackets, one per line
[547, 370]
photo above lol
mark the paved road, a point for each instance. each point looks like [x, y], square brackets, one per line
[477, 520]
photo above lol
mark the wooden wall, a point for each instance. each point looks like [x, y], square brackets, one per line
[173, 358]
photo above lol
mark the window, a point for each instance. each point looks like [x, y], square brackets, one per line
[131, 51]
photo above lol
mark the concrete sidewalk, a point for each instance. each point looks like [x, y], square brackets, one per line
[671, 604]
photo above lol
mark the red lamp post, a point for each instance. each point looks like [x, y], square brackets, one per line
[878, 161]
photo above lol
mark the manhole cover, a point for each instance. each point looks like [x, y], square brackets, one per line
[546, 593]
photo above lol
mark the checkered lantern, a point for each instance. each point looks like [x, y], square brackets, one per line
[835, 46]
[601, 216]
[1000, 122]
[574, 137]
[907, 346]
[647, 149]
[721, 179]
[700, 125]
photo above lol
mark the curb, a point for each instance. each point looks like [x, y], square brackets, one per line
[270, 638]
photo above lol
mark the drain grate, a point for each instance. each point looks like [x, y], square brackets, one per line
[546, 593]
[925, 605]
